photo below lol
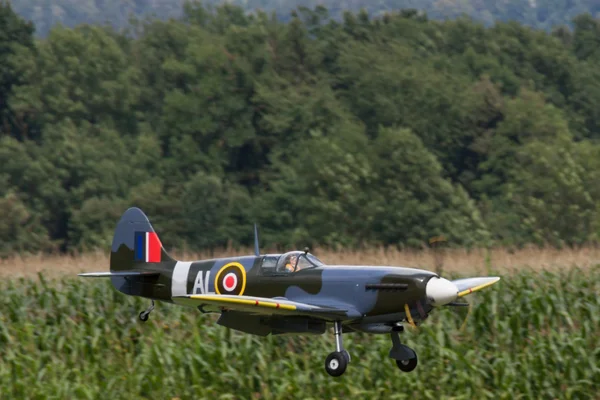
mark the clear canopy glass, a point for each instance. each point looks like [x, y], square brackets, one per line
[295, 261]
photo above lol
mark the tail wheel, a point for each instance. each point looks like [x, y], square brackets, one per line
[407, 365]
[336, 363]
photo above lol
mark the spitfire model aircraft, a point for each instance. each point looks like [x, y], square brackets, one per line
[291, 293]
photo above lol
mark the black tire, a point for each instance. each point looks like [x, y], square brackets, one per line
[407, 365]
[336, 363]
[144, 316]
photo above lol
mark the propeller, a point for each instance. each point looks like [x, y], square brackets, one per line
[441, 291]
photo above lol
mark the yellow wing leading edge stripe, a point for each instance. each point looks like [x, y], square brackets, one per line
[476, 288]
[258, 303]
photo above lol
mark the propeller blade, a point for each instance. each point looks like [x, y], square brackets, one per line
[469, 285]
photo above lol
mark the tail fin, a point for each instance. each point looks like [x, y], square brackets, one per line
[137, 258]
[135, 244]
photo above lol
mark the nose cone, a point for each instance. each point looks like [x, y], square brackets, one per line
[441, 291]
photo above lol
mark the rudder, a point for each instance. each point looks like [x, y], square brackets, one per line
[135, 243]
[137, 253]
[139, 265]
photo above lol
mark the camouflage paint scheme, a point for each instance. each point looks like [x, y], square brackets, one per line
[255, 296]
[342, 287]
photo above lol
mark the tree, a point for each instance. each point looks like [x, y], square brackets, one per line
[548, 193]
[15, 33]
[586, 38]
[318, 192]
[81, 74]
[20, 230]
[411, 200]
[363, 130]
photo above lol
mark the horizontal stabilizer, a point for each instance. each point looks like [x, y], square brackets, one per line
[469, 285]
[117, 273]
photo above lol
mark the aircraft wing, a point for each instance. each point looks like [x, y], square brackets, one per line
[469, 285]
[260, 305]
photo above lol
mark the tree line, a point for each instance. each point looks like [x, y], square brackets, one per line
[117, 13]
[365, 131]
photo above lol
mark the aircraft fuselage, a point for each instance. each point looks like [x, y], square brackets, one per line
[370, 293]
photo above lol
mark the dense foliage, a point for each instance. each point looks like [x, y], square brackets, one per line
[538, 13]
[533, 336]
[369, 131]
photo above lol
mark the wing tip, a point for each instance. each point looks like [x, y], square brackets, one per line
[94, 274]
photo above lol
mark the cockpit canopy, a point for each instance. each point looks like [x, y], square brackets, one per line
[289, 262]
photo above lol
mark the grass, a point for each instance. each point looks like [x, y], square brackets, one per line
[535, 334]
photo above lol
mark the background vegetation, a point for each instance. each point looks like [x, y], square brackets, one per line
[536, 337]
[468, 262]
[538, 13]
[367, 131]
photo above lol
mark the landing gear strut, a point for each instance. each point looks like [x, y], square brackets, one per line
[406, 358]
[145, 314]
[336, 362]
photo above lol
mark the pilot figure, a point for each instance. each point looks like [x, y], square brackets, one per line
[291, 264]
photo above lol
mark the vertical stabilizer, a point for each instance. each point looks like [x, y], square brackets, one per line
[136, 247]
[135, 244]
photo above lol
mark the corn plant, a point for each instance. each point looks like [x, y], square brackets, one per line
[533, 335]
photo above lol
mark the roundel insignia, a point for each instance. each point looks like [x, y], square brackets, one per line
[231, 279]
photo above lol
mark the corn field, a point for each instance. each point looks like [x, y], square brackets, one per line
[533, 335]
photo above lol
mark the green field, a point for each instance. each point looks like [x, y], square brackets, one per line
[532, 335]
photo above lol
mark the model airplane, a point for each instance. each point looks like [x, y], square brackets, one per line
[291, 293]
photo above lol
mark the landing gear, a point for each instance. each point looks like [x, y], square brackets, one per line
[145, 314]
[407, 365]
[406, 358]
[336, 362]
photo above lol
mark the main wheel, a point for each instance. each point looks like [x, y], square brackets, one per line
[407, 365]
[336, 363]
[144, 316]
